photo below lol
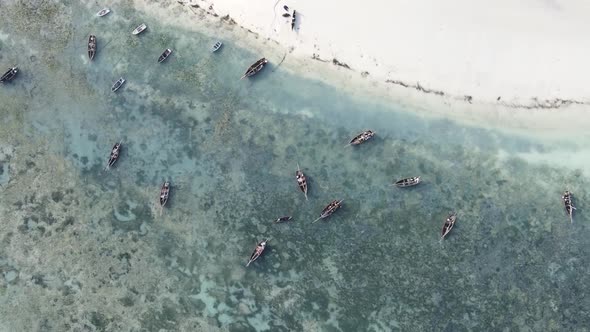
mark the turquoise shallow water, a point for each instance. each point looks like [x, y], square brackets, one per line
[86, 250]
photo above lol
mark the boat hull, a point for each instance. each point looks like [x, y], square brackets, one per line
[103, 12]
[255, 68]
[9, 75]
[165, 55]
[139, 29]
[91, 47]
[118, 84]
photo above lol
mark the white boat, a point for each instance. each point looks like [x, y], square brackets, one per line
[118, 84]
[216, 46]
[139, 29]
[103, 12]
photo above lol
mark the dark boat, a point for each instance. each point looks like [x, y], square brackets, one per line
[115, 152]
[449, 223]
[283, 219]
[362, 137]
[255, 68]
[330, 209]
[91, 47]
[293, 20]
[257, 251]
[286, 15]
[118, 84]
[569, 205]
[165, 55]
[9, 75]
[408, 182]
[301, 181]
[164, 194]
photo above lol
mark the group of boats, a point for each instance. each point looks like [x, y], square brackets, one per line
[300, 177]
[92, 48]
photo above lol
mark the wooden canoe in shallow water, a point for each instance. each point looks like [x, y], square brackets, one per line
[448, 225]
[114, 156]
[283, 219]
[255, 68]
[330, 209]
[164, 193]
[301, 181]
[165, 55]
[91, 47]
[9, 75]
[569, 205]
[408, 182]
[362, 137]
[257, 251]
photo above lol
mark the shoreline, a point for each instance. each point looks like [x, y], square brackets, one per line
[499, 115]
[516, 64]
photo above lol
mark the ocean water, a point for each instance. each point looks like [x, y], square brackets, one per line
[82, 249]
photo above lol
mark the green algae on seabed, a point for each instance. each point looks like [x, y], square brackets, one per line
[93, 253]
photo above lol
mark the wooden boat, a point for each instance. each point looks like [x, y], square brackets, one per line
[164, 193]
[449, 223]
[103, 12]
[362, 137]
[115, 152]
[91, 47]
[9, 75]
[301, 181]
[408, 182]
[293, 20]
[283, 219]
[165, 55]
[330, 209]
[118, 84]
[257, 251]
[139, 29]
[255, 68]
[569, 205]
[216, 46]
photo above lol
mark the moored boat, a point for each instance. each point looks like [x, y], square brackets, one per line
[283, 219]
[139, 29]
[569, 205]
[448, 225]
[164, 193]
[294, 20]
[330, 209]
[114, 156]
[9, 75]
[91, 47]
[255, 68]
[103, 12]
[257, 251]
[301, 181]
[165, 55]
[408, 182]
[117, 84]
[216, 46]
[362, 137]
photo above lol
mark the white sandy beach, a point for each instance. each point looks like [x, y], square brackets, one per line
[516, 50]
